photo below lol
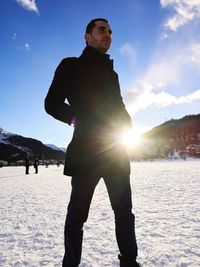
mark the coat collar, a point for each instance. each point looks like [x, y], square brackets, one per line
[94, 55]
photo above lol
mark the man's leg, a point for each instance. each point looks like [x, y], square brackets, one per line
[119, 191]
[78, 208]
[27, 170]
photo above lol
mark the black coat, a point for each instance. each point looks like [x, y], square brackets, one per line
[91, 87]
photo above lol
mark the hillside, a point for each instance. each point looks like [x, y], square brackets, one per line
[188, 125]
[181, 136]
[15, 147]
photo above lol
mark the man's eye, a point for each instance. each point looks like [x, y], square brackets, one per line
[104, 30]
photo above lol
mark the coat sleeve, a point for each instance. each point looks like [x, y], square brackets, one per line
[122, 113]
[60, 88]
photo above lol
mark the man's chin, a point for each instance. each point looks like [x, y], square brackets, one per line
[102, 49]
[105, 49]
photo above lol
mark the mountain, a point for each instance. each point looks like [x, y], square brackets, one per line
[53, 147]
[56, 148]
[15, 147]
[186, 126]
[181, 136]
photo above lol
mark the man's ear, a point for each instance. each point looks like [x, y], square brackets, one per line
[87, 37]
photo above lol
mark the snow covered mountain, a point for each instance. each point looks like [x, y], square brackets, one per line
[15, 147]
[4, 135]
[53, 146]
[56, 148]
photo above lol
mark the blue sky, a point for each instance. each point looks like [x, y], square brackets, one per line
[156, 52]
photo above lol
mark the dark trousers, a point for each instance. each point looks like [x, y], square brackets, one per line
[27, 169]
[120, 197]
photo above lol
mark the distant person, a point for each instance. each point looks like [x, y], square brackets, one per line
[27, 164]
[36, 164]
[96, 111]
[58, 164]
[46, 164]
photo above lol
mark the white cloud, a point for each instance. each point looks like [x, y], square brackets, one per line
[162, 99]
[172, 76]
[14, 36]
[166, 72]
[29, 5]
[27, 47]
[195, 54]
[164, 36]
[189, 98]
[167, 68]
[184, 12]
[160, 75]
[128, 50]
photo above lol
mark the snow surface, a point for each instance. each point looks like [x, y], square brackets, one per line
[166, 202]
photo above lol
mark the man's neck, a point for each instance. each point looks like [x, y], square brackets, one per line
[103, 53]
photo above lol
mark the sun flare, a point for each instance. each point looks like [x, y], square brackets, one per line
[131, 138]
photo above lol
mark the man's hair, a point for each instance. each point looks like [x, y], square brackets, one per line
[91, 24]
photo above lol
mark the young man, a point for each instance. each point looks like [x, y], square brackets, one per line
[96, 111]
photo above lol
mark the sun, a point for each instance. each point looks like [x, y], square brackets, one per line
[131, 138]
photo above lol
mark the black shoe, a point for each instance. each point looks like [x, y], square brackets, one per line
[128, 262]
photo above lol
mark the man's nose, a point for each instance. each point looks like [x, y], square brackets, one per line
[108, 35]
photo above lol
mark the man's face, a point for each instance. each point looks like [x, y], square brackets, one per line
[100, 38]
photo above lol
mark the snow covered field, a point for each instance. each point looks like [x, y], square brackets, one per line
[166, 200]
